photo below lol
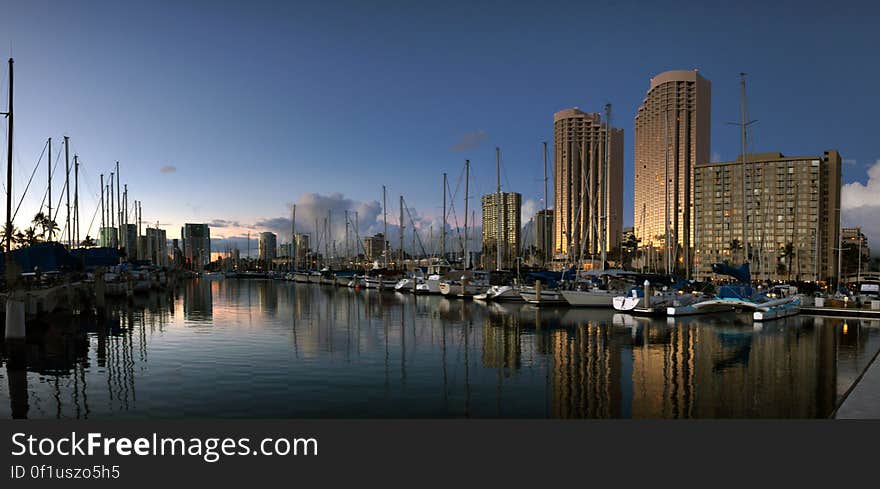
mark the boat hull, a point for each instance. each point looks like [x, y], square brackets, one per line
[547, 297]
[588, 298]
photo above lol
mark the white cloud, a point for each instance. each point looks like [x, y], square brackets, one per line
[528, 210]
[860, 206]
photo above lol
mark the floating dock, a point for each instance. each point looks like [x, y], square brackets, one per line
[845, 312]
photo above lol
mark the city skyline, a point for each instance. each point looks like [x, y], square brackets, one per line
[216, 112]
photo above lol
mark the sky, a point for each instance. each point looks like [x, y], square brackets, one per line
[229, 112]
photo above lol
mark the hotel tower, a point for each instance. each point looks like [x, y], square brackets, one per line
[586, 194]
[672, 137]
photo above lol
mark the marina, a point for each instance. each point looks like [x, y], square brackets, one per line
[259, 348]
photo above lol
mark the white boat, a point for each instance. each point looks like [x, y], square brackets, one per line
[777, 309]
[435, 274]
[409, 283]
[464, 284]
[212, 275]
[706, 306]
[592, 297]
[500, 293]
[314, 277]
[380, 283]
[547, 297]
[658, 302]
[405, 284]
[301, 277]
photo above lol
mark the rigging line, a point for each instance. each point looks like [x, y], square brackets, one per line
[455, 218]
[415, 231]
[60, 198]
[30, 180]
[92, 222]
[46, 192]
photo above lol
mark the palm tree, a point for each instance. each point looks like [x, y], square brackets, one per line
[88, 242]
[50, 227]
[18, 238]
[40, 220]
[781, 268]
[7, 232]
[30, 237]
[787, 252]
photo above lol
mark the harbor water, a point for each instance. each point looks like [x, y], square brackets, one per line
[270, 349]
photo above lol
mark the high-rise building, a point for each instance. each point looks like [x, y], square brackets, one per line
[374, 246]
[156, 246]
[267, 246]
[506, 209]
[108, 237]
[128, 234]
[588, 197]
[196, 245]
[854, 239]
[672, 135]
[792, 215]
[544, 232]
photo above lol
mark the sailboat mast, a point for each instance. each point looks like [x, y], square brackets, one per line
[103, 224]
[467, 173]
[401, 233]
[742, 85]
[347, 238]
[112, 204]
[544, 218]
[357, 232]
[293, 243]
[331, 245]
[605, 200]
[9, 168]
[67, 188]
[385, 229]
[119, 210]
[76, 199]
[443, 228]
[498, 204]
[50, 188]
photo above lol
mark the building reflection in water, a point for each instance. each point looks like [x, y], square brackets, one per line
[68, 365]
[380, 354]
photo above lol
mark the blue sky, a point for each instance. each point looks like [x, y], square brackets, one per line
[255, 104]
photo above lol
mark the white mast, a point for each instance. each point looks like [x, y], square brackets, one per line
[544, 218]
[742, 78]
[467, 171]
[498, 213]
[443, 226]
[604, 176]
[385, 222]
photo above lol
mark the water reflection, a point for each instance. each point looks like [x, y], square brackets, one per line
[256, 348]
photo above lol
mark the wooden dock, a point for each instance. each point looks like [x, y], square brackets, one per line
[845, 312]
